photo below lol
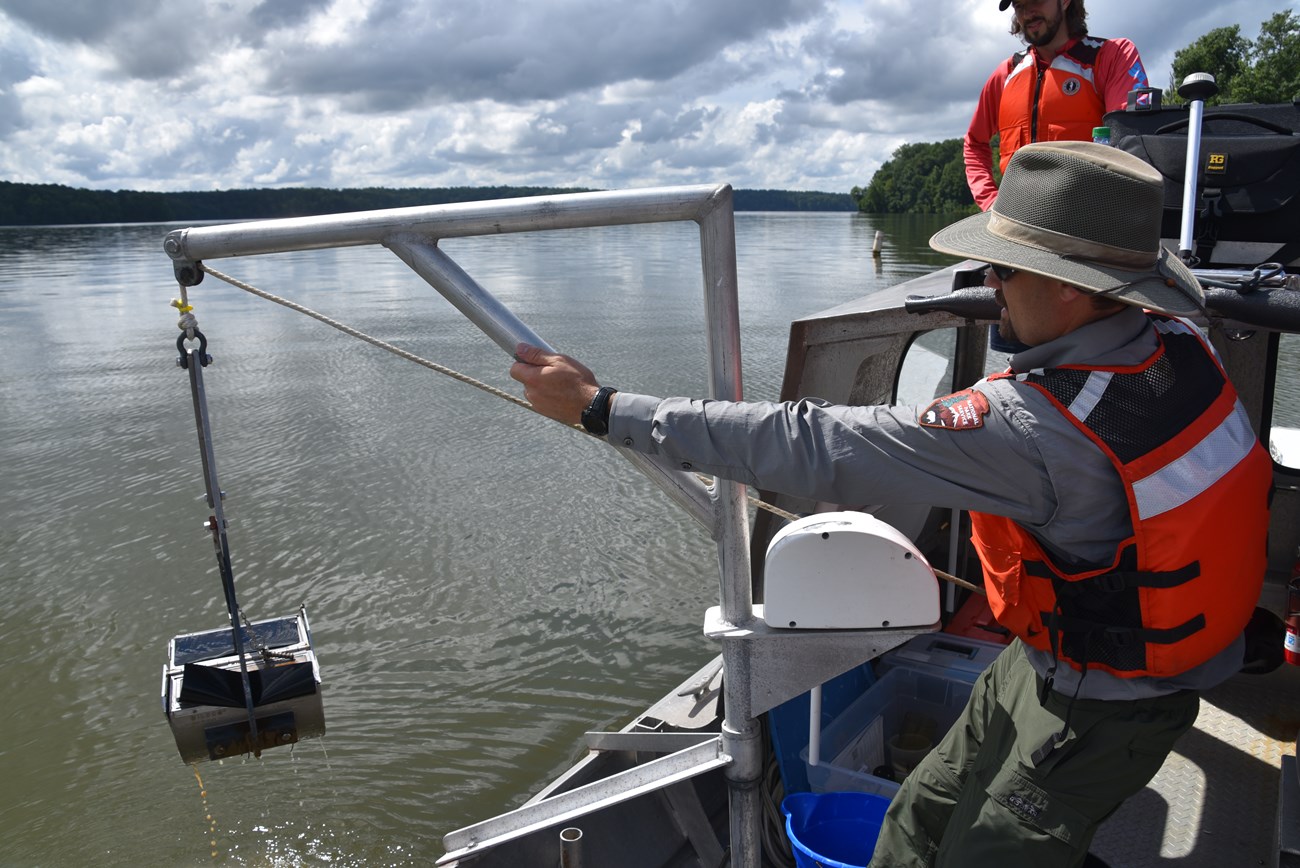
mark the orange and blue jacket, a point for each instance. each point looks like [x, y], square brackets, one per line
[1024, 102]
[1058, 102]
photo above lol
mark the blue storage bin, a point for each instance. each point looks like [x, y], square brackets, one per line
[856, 743]
[789, 722]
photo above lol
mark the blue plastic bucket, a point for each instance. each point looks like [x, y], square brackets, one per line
[833, 830]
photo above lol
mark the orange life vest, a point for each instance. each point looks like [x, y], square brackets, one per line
[1183, 586]
[1055, 104]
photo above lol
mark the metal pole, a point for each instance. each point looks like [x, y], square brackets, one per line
[1197, 88]
[722, 326]
[815, 725]
[195, 360]
[461, 220]
[571, 847]
[479, 307]
[744, 776]
[506, 330]
[740, 738]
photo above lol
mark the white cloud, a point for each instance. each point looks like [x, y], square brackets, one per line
[795, 94]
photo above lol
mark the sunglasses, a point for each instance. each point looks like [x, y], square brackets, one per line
[1003, 273]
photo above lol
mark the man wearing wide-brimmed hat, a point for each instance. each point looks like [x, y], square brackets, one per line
[1119, 632]
[1045, 223]
[1118, 497]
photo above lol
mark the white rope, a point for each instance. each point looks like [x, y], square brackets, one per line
[961, 583]
[183, 305]
[383, 345]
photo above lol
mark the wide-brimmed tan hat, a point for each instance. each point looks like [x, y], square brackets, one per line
[1086, 214]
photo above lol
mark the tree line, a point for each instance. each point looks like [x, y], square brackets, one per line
[924, 177]
[931, 177]
[46, 204]
[1264, 71]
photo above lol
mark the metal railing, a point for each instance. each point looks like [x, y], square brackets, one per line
[413, 235]
[763, 666]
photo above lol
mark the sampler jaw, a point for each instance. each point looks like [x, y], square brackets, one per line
[202, 690]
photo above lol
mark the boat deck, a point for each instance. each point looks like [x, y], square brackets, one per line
[1215, 801]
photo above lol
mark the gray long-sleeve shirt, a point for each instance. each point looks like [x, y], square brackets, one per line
[1025, 461]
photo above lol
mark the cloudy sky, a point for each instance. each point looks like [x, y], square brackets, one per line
[789, 94]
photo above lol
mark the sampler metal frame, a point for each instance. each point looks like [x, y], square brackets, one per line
[763, 667]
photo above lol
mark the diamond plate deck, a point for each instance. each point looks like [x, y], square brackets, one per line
[1215, 801]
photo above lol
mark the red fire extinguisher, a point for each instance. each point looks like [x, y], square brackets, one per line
[1291, 646]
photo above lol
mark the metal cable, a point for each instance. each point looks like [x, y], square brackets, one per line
[383, 345]
[464, 378]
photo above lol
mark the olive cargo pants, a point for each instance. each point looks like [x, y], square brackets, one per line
[979, 798]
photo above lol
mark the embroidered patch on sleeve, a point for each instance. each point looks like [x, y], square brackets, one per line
[959, 411]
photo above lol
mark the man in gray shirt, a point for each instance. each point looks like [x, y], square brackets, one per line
[1118, 500]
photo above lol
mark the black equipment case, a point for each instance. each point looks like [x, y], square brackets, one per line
[1248, 186]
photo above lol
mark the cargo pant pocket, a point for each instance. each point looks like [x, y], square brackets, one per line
[1031, 806]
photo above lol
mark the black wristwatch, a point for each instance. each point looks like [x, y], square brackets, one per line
[596, 417]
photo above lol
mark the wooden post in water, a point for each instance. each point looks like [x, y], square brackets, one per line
[875, 245]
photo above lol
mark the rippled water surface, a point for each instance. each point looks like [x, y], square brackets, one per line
[483, 585]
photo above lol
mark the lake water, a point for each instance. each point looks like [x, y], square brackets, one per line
[483, 585]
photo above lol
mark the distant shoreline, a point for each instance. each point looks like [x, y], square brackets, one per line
[55, 204]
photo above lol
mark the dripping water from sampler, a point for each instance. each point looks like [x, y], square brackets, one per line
[207, 812]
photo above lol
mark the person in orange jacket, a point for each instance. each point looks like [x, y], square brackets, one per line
[1057, 89]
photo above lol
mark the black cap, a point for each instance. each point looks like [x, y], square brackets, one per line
[1003, 4]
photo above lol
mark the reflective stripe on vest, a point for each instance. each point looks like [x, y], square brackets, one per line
[1194, 473]
[1066, 106]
